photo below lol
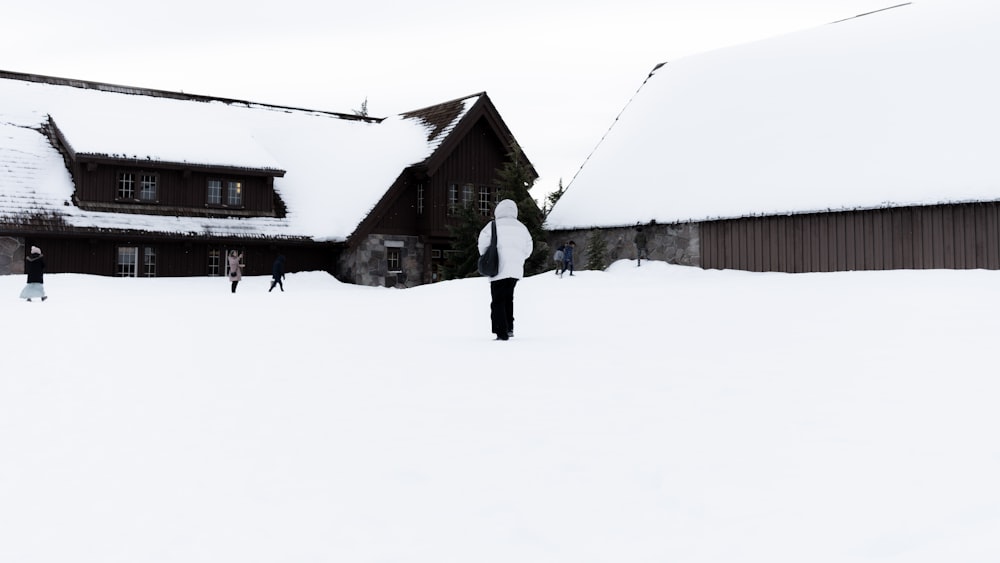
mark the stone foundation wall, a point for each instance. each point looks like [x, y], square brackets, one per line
[11, 256]
[368, 265]
[675, 244]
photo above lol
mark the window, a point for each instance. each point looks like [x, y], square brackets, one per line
[394, 256]
[128, 258]
[420, 199]
[467, 191]
[132, 184]
[147, 187]
[234, 193]
[393, 261]
[126, 186]
[452, 198]
[214, 195]
[484, 200]
[149, 262]
[215, 262]
[224, 192]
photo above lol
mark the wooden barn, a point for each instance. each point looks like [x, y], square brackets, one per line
[123, 181]
[865, 144]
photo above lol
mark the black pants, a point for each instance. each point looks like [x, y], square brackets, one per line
[502, 306]
[277, 281]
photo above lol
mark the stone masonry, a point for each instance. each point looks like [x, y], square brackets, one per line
[674, 243]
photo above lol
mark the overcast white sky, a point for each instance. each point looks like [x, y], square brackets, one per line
[558, 71]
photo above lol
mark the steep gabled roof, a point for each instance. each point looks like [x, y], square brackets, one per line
[448, 122]
[893, 108]
[331, 168]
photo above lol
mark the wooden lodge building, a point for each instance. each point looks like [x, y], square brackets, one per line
[122, 181]
[866, 144]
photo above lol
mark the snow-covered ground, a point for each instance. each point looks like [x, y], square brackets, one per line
[647, 414]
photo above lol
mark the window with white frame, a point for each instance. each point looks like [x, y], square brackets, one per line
[484, 200]
[126, 186]
[215, 262]
[214, 194]
[147, 187]
[467, 192]
[452, 198]
[393, 260]
[394, 256]
[420, 199]
[128, 260]
[149, 262]
[234, 193]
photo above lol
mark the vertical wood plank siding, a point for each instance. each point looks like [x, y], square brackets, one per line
[943, 236]
[175, 187]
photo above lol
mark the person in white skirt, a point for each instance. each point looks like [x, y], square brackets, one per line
[35, 266]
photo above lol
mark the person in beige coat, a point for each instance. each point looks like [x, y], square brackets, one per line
[235, 274]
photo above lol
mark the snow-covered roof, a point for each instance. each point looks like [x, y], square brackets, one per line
[335, 167]
[893, 108]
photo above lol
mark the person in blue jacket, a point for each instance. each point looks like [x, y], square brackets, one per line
[568, 257]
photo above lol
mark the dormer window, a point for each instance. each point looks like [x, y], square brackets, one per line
[137, 186]
[234, 194]
[224, 193]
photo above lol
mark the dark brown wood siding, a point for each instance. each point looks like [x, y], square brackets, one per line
[944, 236]
[175, 188]
[475, 160]
[175, 258]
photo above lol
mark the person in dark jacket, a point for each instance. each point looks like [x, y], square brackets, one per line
[35, 267]
[640, 245]
[568, 257]
[278, 273]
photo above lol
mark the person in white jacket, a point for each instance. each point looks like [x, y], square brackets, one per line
[514, 245]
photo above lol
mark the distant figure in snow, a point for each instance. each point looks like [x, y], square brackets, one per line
[558, 257]
[35, 267]
[235, 274]
[640, 245]
[278, 273]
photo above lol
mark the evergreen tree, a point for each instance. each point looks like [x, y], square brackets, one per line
[553, 197]
[597, 251]
[514, 182]
[463, 260]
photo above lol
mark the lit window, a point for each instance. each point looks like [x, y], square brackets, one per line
[420, 199]
[234, 193]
